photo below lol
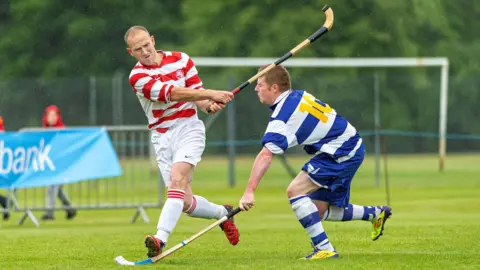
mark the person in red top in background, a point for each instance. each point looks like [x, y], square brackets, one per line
[2, 127]
[3, 199]
[52, 118]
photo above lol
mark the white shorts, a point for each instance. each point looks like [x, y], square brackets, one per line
[183, 143]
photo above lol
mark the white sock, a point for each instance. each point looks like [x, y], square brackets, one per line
[202, 208]
[307, 214]
[172, 209]
[351, 212]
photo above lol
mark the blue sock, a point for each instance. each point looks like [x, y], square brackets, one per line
[351, 212]
[308, 216]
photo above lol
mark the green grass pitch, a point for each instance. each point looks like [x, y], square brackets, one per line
[435, 225]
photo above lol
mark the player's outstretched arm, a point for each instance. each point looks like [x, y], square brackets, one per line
[260, 167]
[188, 94]
[158, 91]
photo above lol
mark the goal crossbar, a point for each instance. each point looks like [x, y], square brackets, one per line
[322, 62]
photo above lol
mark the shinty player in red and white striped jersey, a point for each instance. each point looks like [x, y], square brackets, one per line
[175, 75]
[170, 91]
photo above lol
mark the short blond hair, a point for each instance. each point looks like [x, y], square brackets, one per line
[278, 75]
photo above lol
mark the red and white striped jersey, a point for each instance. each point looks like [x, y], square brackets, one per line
[153, 86]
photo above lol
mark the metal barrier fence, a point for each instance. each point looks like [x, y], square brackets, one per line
[140, 186]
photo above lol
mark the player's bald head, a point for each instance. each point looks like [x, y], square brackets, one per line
[134, 30]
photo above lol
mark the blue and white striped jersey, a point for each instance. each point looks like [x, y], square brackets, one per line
[299, 118]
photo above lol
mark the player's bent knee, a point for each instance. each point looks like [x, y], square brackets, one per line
[292, 191]
[178, 181]
[301, 185]
[179, 176]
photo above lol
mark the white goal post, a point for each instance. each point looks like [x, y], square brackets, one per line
[441, 62]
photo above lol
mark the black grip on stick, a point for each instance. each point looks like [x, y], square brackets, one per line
[234, 212]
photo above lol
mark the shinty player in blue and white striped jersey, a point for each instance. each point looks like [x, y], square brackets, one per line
[321, 191]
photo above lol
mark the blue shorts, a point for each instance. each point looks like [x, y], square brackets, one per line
[333, 178]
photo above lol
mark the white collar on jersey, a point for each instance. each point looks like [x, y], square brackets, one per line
[279, 98]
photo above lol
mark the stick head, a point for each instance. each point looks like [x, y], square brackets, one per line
[329, 17]
[121, 261]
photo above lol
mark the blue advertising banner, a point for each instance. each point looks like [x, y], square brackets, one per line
[50, 157]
